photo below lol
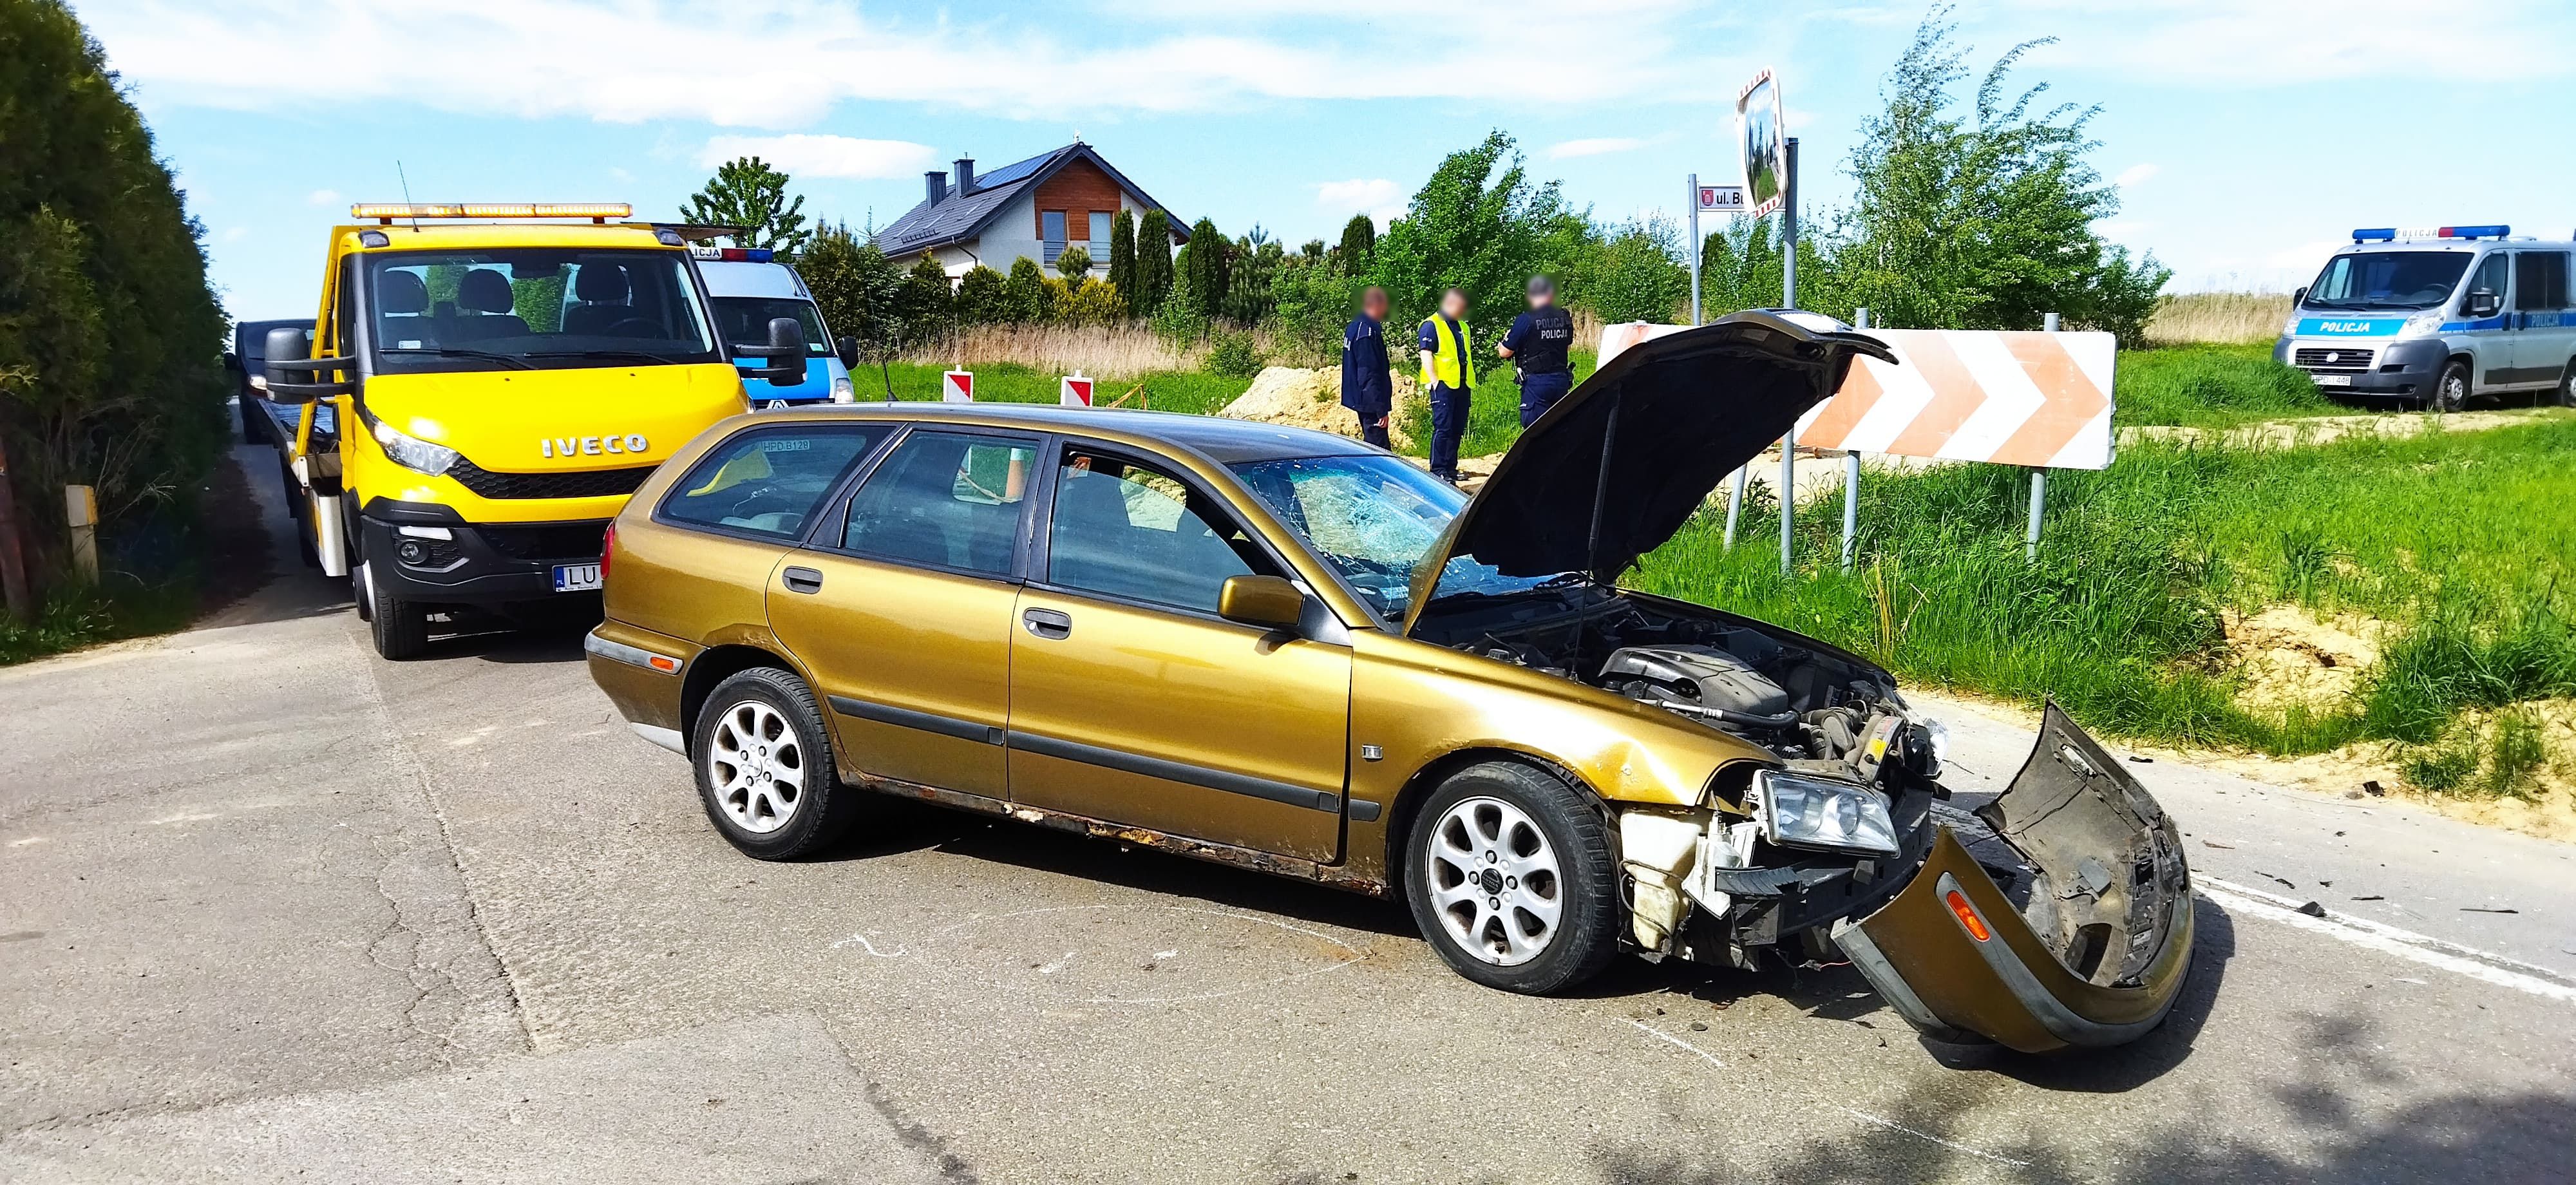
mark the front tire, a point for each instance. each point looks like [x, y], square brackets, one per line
[764, 767]
[1510, 877]
[2451, 389]
[400, 627]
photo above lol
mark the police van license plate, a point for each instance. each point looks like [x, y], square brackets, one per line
[576, 577]
[2334, 380]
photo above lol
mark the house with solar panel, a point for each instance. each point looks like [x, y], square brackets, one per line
[1034, 208]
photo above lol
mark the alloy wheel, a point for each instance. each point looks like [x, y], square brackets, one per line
[757, 767]
[1494, 881]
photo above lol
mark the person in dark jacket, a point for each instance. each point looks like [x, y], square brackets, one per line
[1366, 387]
[1537, 346]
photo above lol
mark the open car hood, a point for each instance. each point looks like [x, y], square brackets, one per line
[1624, 460]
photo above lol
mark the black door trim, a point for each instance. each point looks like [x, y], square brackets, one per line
[949, 726]
[1176, 771]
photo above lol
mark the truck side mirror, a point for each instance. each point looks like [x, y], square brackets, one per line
[785, 354]
[2482, 303]
[848, 349]
[290, 368]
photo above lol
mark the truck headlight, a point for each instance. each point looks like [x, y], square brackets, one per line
[411, 452]
[2421, 325]
[1804, 811]
[844, 392]
[2290, 328]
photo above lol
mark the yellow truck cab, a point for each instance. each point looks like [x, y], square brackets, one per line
[483, 388]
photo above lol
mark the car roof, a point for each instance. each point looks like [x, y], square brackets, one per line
[1224, 441]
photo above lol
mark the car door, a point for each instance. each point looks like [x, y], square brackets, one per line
[2544, 334]
[901, 609]
[2491, 338]
[1134, 703]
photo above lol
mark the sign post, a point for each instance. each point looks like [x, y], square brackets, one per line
[1074, 390]
[957, 386]
[1851, 479]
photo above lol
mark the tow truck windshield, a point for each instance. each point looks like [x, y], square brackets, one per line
[2387, 280]
[533, 309]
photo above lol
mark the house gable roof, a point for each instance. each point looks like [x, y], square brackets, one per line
[955, 219]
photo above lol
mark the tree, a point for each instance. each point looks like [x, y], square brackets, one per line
[1024, 299]
[109, 335]
[1479, 225]
[1359, 244]
[1639, 274]
[980, 300]
[1153, 263]
[746, 192]
[1090, 302]
[1122, 259]
[1073, 263]
[1248, 298]
[1203, 261]
[1982, 221]
[927, 303]
[858, 290]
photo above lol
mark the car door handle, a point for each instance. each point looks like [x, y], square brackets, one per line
[1048, 624]
[803, 580]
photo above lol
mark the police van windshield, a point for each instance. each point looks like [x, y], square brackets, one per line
[533, 308]
[744, 320]
[2387, 280]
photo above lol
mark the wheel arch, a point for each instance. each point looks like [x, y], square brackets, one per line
[1417, 788]
[714, 665]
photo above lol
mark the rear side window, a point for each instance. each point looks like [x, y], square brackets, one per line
[944, 499]
[768, 481]
[2540, 280]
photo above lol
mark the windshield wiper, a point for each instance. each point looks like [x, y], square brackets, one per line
[646, 355]
[450, 352]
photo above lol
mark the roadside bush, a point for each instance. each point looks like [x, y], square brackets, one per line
[1234, 355]
[1024, 295]
[980, 299]
[1094, 302]
[1073, 264]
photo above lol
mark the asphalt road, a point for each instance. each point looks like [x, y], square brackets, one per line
[273, 909]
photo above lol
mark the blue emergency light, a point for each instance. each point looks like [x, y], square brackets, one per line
[2390, 234]
[734, 254]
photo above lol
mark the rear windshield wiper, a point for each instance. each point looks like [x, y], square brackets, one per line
[647, 355]
[449, 352]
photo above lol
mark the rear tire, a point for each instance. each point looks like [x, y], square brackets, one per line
[2567, 385]
[400, 627]
[2450, 389]
[1510, 877]
[764, 767]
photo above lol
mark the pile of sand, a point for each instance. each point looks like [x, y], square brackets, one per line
[2289, 657]
[1313, 399]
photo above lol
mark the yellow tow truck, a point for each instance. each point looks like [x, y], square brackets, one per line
[483, 387]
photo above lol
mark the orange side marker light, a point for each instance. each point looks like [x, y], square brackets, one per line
[1968, 916]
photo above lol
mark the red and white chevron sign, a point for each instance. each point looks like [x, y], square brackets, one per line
[2041, 400]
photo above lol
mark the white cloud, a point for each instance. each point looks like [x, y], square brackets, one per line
[325, 197]
[2136, 175]
[620, 173]
[2287, 42]
[235, 234]
[1382, 200]
[785, 63]
[1596, 146]
[825, 156]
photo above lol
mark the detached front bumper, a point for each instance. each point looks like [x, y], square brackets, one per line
[2097, 956]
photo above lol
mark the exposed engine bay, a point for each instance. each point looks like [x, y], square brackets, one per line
[1775, 859]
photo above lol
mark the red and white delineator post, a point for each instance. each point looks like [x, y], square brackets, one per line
[957, 386]
[1074, 390]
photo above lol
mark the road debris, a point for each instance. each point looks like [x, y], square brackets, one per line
[2371, 897]
[2211, 843]
[2312, 909]
[2487, 909]
[2283, 881]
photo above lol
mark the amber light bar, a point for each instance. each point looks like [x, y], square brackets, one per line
[387, 212]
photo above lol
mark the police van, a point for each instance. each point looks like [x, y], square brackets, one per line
[2431, 317]
[748, 287]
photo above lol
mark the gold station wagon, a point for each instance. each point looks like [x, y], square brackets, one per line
[1290, 651]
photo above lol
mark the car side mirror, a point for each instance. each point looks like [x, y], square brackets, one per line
[2482, 303]
[848, 348]
[290, 368]
[1266, 601]
[785, 354]
[2299, 297]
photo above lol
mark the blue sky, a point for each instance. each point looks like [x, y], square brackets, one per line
[2248, 136]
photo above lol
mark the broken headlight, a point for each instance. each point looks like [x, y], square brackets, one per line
[1804, 811]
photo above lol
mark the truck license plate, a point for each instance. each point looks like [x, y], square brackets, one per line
[2334, 380]
[576, 577]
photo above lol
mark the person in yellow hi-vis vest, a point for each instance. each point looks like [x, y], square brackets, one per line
[1449, 378]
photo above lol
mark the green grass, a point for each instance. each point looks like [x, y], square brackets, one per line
[2457, 539]
[1006, 382]
[2211, 387]
[81, 615]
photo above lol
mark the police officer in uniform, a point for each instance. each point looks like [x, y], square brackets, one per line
[1367, 389]
[1449, 377]
[1536, 346]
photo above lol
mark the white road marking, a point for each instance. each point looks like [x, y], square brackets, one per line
[870, 947]
[1863, 1116]
[2483, 966]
